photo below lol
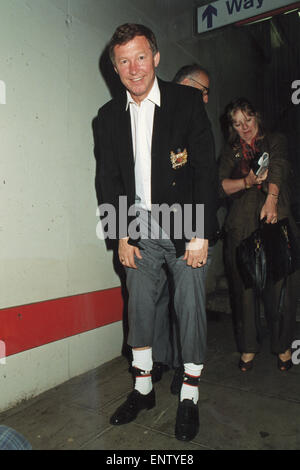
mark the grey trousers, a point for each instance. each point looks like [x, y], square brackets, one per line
[189, 298]
[166, 344]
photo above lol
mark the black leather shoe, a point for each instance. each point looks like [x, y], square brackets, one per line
[177, 380]
[132, 406]
[157, 371]
[187, 421]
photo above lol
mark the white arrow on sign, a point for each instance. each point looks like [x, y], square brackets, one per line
[223, 12]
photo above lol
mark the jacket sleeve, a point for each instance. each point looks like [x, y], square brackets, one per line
[279, 167]
[108, 181]
[226, 167]
[204, 167]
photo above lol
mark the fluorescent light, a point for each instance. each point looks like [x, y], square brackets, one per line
[291, 11]
[262, 19]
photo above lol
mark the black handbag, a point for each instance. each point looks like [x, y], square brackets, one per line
[280, 249]
[269, 254]
[251, 261]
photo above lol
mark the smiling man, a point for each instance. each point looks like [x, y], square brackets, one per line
[135, 62]
[156, 147]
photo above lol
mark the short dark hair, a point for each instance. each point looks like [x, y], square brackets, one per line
[244, 105]
[126, 33]
[189, 71]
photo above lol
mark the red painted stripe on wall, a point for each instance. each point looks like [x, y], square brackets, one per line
[28, 326]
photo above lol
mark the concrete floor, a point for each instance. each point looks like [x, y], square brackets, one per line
[257, 410]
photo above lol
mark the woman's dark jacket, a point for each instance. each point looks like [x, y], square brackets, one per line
[244, 207]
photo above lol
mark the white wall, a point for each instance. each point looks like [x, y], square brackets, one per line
[32, 372]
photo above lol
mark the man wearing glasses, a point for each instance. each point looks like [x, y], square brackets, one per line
[197, 77]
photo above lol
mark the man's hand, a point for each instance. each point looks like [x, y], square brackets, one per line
[196, 253]
[127, 253]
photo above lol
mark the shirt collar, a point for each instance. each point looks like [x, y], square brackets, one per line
[153, 96]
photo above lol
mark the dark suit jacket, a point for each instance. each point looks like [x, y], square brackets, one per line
[179, 123]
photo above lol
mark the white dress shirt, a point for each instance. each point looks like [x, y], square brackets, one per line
[142, 116]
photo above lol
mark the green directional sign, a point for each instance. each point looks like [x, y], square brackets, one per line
[223, 12]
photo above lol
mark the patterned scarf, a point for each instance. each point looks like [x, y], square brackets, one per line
[250, 152]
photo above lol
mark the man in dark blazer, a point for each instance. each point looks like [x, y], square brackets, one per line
[165, 345]
[155, 148]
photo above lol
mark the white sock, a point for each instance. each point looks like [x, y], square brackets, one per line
[142, 359]
[191, 392]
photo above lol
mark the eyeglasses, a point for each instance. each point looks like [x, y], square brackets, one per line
[205, 89]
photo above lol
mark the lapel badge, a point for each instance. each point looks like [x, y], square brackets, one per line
[178, 159]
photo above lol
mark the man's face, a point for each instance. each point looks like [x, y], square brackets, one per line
[135, 64]
[200, 81]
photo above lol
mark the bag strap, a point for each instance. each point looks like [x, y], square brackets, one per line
[280, 310]
[260, 276]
